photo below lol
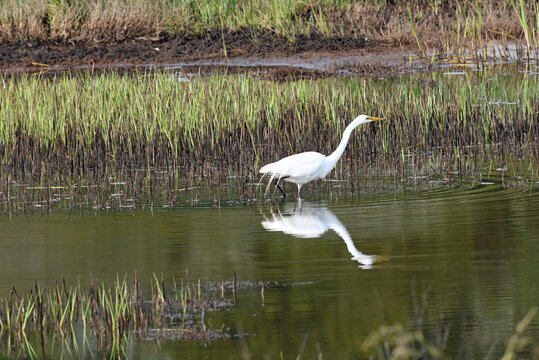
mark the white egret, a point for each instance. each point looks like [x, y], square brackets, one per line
[307, 166]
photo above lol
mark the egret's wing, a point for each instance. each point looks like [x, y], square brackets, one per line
[306, 165]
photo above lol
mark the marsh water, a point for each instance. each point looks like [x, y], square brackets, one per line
[428, 247]
[456, 263]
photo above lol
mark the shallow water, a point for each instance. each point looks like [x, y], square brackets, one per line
[457, 263]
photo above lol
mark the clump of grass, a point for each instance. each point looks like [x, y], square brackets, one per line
[400, 343]
[465, 29]
[397, 342]
[530, 34]
[112, 20]
[107, 317]
[518, 340]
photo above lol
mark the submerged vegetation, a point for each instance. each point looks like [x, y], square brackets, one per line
[432, 23]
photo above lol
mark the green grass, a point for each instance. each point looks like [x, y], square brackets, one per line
[143, 116]
[63, 141]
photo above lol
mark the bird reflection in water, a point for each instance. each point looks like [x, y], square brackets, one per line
[312, 221]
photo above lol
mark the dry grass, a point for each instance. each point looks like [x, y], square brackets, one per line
[21, 21]
[495, 20]
[123, 21]
[91, 21]
[86, 22]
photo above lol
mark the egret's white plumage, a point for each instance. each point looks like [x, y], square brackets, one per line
[304, 167]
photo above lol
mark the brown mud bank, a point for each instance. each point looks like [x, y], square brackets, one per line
[270, 57]
[309, 39]
[206, 52]
[314, 56]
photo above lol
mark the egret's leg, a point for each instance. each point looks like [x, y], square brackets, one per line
[299, 191]
[299, 206]
[279, 187]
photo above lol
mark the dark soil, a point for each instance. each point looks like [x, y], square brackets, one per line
[187, 47]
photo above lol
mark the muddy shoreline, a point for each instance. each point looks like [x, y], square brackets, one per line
[273, 58]
[305, 40]
[212, 49]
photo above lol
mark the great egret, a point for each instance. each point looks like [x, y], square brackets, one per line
[307, 166]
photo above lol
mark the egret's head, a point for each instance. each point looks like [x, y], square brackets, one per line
[361, 119]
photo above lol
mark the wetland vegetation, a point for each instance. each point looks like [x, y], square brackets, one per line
[57, 132]
[109, 142]
[103, 320]
[154, 169]
[119, 20]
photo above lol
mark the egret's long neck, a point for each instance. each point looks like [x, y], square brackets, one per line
[336, 155]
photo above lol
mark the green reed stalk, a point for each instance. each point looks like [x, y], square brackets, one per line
[523, 19]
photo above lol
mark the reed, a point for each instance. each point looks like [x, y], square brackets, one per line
[153, 118]
[414, 31]
[100, 141]
[530, 34]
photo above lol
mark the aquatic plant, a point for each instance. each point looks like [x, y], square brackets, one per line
[84, 121]
[399, 342]
[101, 140]
[107, 318]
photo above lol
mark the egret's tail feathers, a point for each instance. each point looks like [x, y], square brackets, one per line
[269, 169]
[266, 169]
[273, 175]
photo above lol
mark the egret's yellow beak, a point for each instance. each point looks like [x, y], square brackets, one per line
[381, 258]
[375, 118]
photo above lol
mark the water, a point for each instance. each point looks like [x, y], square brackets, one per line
[459, 264]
